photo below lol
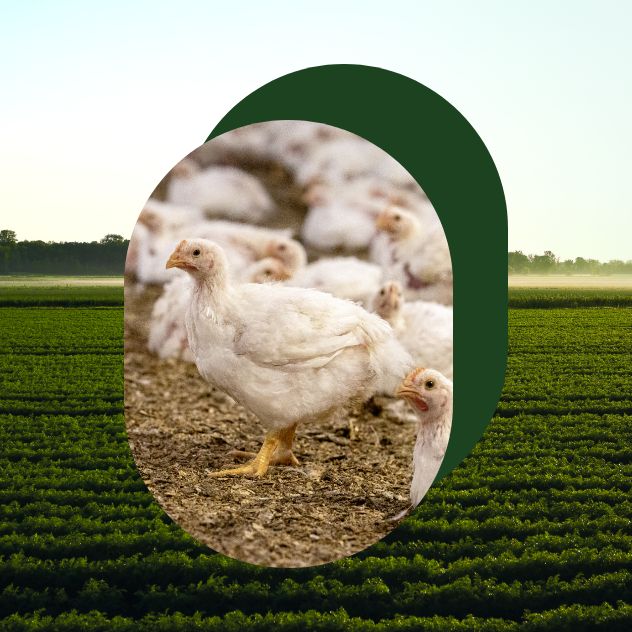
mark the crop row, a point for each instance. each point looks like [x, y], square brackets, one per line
[432, 520]
[99, 542]
[569, 298]
[160, 535]
[576, 617]
[65, 331]
[61, 296]
[408, 586]
[372, 598]
[437, 496]
[69, 379]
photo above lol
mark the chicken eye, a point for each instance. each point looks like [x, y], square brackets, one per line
[196, 252]
[381, 292]
[267, 272]
[429, 384]
[397, 217]
[282, 247]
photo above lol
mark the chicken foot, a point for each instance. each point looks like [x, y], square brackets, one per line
[283, 454]
[259, 465]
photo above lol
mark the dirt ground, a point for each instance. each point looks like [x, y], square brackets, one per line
[353, 477]
[354, 472]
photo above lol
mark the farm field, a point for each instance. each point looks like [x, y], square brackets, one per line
[620, 281]
[531, 532]
[60, 281]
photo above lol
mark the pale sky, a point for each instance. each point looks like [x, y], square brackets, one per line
[100, 100]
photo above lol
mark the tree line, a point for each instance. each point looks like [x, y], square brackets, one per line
[103, 257]
[107, 257]
[548, 263]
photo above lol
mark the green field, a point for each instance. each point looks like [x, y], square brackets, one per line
[531, 532]
[60, 296]
[569, 297]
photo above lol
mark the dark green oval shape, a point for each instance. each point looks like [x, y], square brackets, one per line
[443, 152]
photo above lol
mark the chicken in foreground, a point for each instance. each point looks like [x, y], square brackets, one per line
[167, 331]
[429, 393]
[287, 354]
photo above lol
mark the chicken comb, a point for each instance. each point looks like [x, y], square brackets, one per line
[415, 372]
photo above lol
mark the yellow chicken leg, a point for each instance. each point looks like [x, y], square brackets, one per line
[283, 454]
[259, 465]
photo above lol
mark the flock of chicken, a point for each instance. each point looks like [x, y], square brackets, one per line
[293, 341]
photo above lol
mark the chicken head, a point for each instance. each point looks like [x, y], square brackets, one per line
[428, 392]
[288, 251]
[201, 258]
[388, 301]
[397, 222]
[267, 270]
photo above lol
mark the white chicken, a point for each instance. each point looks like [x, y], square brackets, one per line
[293, 142]
[429, 393]
[344, 277]
[165, 217]
[416, 257]
[337, 226]
[340, 159]
[167, 331]
[156, 220]
[243, 245]
[424, 328]
[287, 354]
[342, 214]
[219, 191]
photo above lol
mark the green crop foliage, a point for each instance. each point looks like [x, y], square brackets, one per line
[25, 296]
[531, 532]
[567, 297]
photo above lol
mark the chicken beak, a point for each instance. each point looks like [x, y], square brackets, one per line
[175, 261]
[382, 222]
[406, 389]
[408, 392]
[270, 251]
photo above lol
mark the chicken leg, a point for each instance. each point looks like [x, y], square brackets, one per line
[259, 465]
[283, 454]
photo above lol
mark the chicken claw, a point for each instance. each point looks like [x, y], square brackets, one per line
[265, 457]
[283, 454]
[280, 457]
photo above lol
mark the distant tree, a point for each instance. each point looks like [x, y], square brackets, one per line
[566, 267]
[617, 266]
[581, 265]
[594, 266]
[544, 264]
[111, 238]
[8, 237]
[518, 262]
[70, 257]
